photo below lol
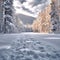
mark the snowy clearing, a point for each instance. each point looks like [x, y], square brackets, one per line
[29, 46]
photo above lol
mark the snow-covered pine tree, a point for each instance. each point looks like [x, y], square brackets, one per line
[7, 15]
[1, 16]
[55, 16]
[8, 26]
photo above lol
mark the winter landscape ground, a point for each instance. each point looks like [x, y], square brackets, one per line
[30, 46]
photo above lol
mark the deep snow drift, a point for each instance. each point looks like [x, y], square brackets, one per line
[29, 46]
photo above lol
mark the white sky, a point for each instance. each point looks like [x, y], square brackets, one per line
[29, 7]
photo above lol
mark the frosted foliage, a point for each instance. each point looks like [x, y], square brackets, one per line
[55, 16]
[8, 25]
[42, 23]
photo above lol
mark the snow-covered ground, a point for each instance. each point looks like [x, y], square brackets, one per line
[30, 46]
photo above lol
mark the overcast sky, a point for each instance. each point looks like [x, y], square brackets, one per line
[30, 7]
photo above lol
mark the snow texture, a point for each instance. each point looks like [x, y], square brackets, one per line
[29, 46]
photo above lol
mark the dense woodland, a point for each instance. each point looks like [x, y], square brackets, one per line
[48, 20]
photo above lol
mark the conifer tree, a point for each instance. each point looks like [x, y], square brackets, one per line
[55, 16]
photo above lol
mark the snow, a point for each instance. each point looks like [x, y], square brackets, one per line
[30, 46]
[5, 47]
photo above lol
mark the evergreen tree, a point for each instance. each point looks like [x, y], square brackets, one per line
[55, 17]
[8, 17]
